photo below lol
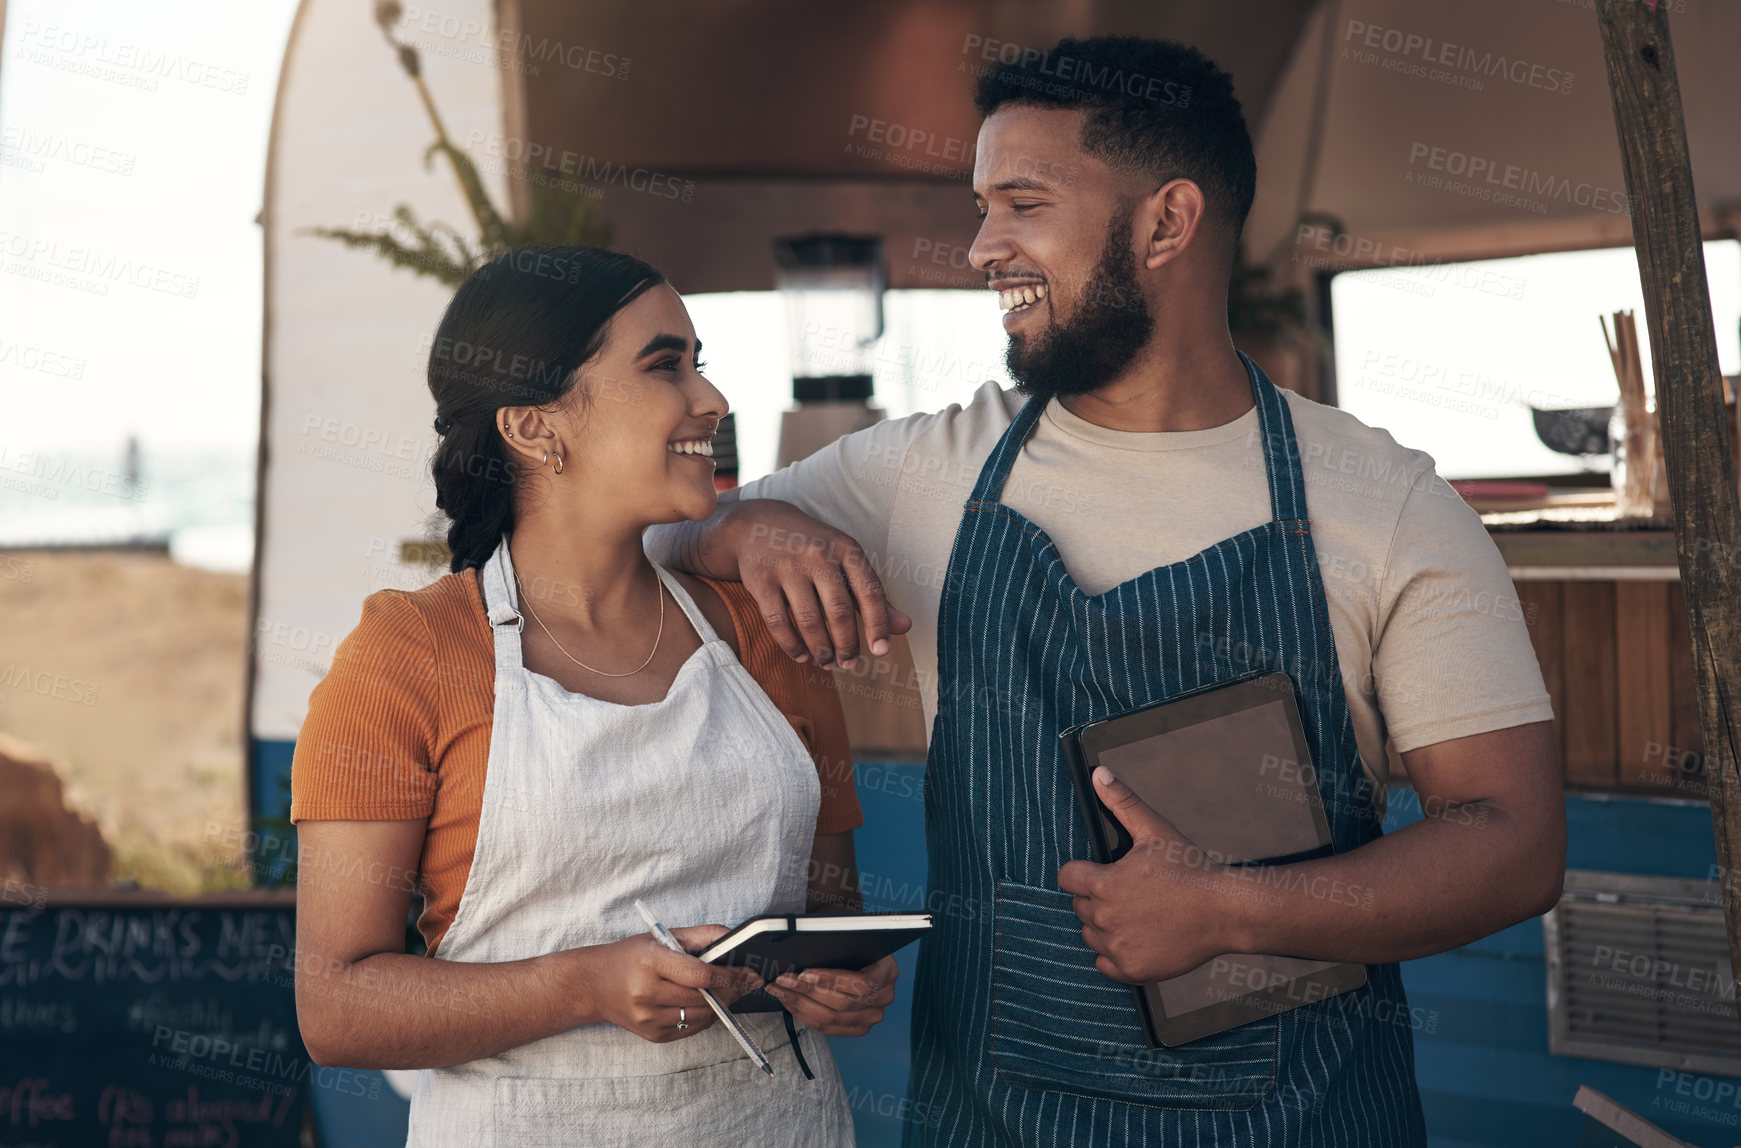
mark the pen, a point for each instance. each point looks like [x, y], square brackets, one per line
[664, 937]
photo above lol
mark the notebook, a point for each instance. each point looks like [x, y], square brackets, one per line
[1230, 768]
[775, 945]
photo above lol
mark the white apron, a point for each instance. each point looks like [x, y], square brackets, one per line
[703, 805]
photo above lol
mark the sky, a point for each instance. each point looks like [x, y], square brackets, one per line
[132, 163]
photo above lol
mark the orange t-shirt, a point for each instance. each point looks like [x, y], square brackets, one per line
[399, 729]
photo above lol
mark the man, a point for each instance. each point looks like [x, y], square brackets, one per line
[1147, 515]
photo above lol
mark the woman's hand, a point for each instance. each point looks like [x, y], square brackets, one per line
[639, 985]
[835, 1002]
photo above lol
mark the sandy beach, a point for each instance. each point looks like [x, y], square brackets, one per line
[125, 670]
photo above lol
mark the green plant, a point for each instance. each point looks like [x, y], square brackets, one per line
[561, 212]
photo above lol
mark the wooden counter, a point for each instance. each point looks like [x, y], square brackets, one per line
[1606, 615]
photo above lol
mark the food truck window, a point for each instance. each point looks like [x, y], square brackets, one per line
[1450, 357]
[937, 348]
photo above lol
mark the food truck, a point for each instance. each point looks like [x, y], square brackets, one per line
[1414, 160]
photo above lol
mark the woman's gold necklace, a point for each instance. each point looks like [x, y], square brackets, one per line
[602, 673]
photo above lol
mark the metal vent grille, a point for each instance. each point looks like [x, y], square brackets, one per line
[1639, 973]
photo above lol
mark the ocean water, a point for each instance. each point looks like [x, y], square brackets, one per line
[199, 502]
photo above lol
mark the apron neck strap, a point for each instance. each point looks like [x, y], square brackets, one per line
[506, 621]
[1003, 456]
[1281, 456]
[687, 604]
[1281, 451]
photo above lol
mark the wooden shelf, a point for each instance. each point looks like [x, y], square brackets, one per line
[1589, 556]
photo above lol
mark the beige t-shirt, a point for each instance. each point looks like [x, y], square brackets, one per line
[1429, 631]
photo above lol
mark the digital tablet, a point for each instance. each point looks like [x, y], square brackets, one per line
[1230, 768]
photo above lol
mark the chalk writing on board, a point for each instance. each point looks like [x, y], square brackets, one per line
[128, 1114]
[98, 945]
[32, 1103]
[150, 1009]
[349, 1081]
[85, 989]
[27, 1013]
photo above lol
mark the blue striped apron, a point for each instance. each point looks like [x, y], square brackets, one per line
[1017, 1039]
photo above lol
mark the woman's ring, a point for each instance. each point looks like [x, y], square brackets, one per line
[682, 1018]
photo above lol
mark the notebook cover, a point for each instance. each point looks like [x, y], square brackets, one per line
[773, 953]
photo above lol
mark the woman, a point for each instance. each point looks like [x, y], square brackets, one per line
[534, 780]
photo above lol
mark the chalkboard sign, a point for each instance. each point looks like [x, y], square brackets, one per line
[137, 1019]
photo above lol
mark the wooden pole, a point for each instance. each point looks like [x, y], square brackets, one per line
[1689, 396]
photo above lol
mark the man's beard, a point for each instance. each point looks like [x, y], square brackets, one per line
[1101, 340]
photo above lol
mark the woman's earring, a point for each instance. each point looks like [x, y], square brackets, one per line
[559, 464]
[505, 427]
[546, 461]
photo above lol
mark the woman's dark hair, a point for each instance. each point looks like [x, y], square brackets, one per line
[514, 335]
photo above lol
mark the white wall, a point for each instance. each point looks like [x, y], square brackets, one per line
[347, 420]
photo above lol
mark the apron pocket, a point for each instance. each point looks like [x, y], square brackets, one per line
[729, 1103]
[1059, 1025]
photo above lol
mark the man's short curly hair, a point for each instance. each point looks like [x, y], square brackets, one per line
[1156, 108]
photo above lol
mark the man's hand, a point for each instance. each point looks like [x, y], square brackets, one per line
[1152, 914]
[811, 581]
[1490, 851]
[839, 1003]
